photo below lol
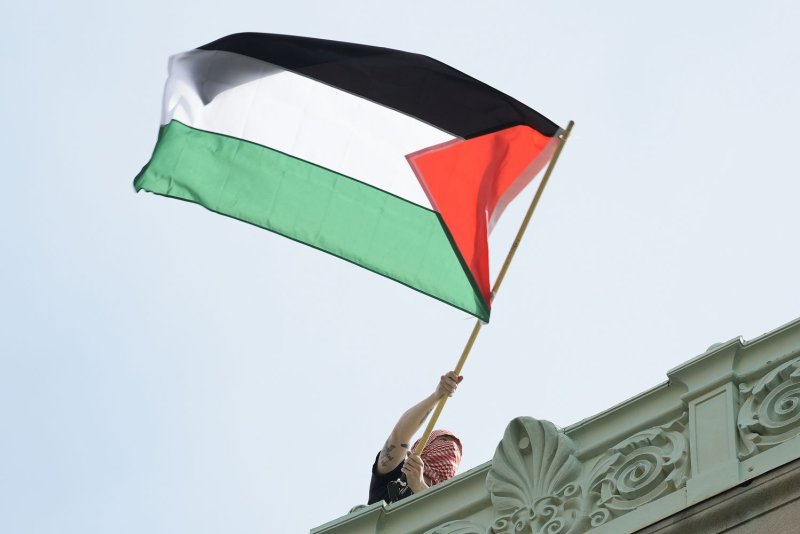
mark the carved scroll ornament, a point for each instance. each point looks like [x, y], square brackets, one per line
[770, 410]
[538, 485]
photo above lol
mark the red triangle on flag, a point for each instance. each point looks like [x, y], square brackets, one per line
[470, 182]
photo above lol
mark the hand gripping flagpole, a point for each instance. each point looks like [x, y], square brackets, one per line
[477, 328]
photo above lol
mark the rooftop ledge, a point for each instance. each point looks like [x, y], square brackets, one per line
[723, 418]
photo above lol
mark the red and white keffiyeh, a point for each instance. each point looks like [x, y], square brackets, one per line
[441, 457]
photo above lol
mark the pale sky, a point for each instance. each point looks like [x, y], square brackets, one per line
[167, 370]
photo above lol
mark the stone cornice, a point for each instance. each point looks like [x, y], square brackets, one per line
[722, 418]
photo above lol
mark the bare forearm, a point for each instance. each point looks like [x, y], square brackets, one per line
[412, 419]
[419, 486]
[399, 441]
[397, 446]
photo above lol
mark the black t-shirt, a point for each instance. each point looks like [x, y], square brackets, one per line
[379, 485]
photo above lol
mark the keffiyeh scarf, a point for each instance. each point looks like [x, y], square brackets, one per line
[441, 457]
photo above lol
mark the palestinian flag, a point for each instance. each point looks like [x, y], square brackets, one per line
[391, 160]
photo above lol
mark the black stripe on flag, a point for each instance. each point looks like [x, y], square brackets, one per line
[411, 83]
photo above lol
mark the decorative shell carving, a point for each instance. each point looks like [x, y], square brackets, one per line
[533, 476]
[538, 485]
[770, 410]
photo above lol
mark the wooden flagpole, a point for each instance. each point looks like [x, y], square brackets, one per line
[513, 250]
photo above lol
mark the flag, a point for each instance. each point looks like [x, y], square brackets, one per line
[391, 160]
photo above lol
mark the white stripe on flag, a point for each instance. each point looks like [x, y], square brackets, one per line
[249, 99]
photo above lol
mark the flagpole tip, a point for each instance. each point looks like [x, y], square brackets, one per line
[566, 131]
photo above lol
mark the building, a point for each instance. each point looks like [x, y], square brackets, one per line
[713, 449]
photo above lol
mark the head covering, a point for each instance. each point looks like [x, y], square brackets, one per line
[441, 457]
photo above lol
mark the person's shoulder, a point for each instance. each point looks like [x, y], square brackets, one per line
[378, 484]
[393, 473]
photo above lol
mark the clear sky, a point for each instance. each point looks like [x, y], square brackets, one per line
[167, 370]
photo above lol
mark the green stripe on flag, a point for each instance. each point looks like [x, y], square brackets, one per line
[313, 205]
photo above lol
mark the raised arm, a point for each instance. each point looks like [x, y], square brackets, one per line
[395, 449]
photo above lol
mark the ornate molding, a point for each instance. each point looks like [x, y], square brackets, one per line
[538, 485]
[533, 479]
[640, 469]
[770, 410]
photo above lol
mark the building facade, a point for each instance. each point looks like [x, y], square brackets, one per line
[713, 449]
